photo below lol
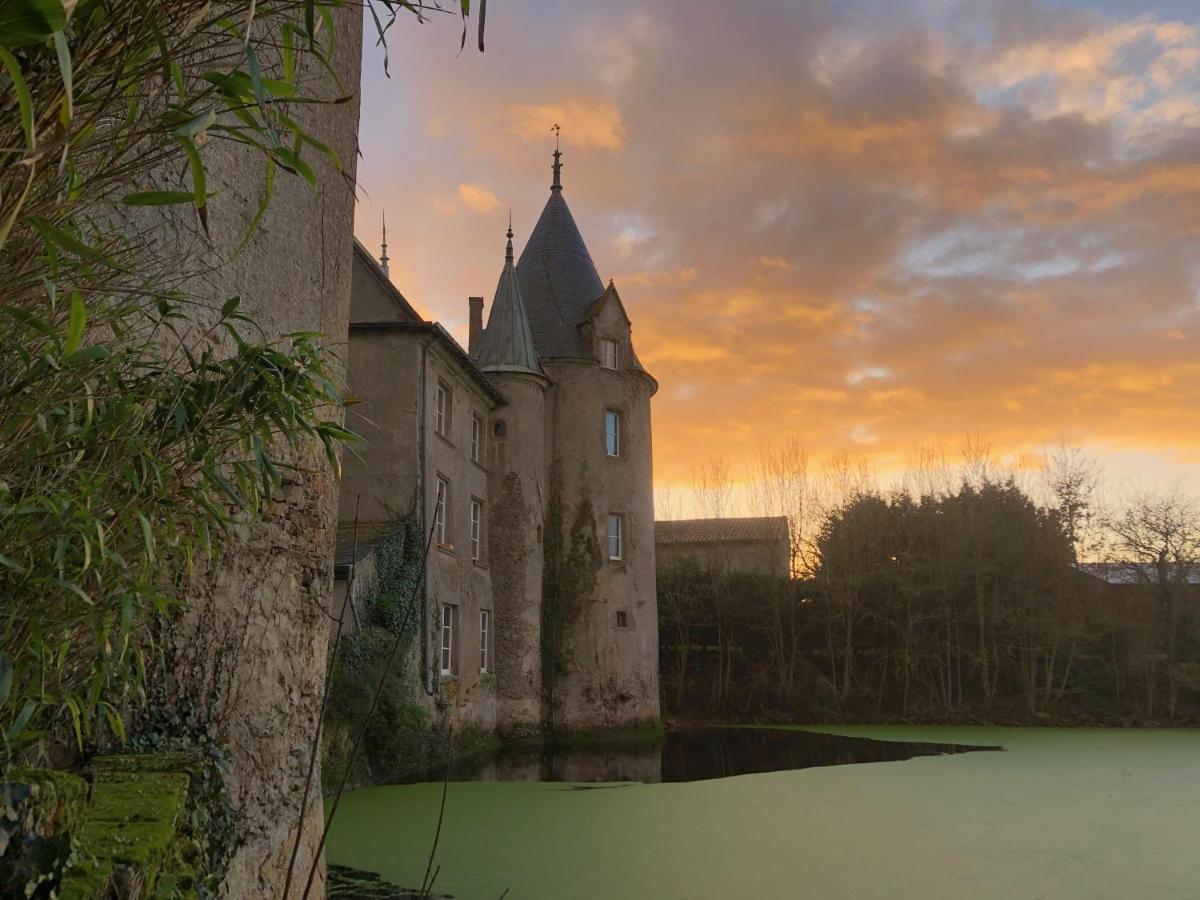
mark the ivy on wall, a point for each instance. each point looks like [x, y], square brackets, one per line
[398, 740]
[572, 560]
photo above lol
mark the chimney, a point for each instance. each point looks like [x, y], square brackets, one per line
[476, 304]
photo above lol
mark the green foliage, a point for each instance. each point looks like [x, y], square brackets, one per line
[39, 811]
[173, 734]
[136, 420]
[398, 742]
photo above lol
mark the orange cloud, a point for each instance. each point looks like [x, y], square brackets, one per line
[478, 198]
[584, 123]
[860, 230]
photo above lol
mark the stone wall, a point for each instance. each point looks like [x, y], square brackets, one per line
[253, 641]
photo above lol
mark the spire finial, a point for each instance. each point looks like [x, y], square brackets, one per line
[557, 183]
[383, 257]
[508, 253]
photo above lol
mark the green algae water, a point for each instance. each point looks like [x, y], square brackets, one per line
[1102, 813]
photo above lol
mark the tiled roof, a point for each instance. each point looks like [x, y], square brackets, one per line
[506, 345]
[703, 531]
[558, 281]
[1135, 573]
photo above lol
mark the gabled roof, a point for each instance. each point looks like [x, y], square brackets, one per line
[558, 281]
[706, 531]
[448, 343]
[592, 310]
[406, 310]
[506, 345]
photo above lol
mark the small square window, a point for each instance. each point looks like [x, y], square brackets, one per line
[612, 432]
[622, 618]
[610, 353]
[615, 536]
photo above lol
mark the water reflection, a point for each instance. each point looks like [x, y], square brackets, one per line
[692, 755]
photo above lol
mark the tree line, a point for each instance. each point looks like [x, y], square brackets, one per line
[968, 603]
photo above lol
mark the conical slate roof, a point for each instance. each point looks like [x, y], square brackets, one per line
[558, 280]
[506, 345]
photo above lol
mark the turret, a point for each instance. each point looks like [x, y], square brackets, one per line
[517, 490]
[599, 597]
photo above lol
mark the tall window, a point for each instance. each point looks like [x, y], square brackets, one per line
[447, 640]
[476, 438]
[615, 536]
[476, 530]
[441, 410]
[439, 511]
[610, 355]
[612, 432]
[485, 623]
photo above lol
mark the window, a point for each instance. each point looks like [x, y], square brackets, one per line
[622, 618]
[485, 617]
[476, 438]
[614, 536]
[439, 511]
[441, 410]
[476, 530]
[447, 640]
[612, 432]
[610, 357]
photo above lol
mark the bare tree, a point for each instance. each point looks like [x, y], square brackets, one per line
[779, 486]
[712, 488]
[1072, 478]
[1158, 535]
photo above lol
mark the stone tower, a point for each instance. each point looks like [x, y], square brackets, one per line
[559, 344]
[517, 493]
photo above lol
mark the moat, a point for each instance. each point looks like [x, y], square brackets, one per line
[1098, 813]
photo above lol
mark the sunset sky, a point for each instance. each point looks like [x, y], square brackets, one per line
[871, 225]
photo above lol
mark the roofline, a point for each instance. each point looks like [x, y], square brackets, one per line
[441, 335]
[380, 276]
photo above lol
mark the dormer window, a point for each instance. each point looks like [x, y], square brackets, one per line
[610, 354]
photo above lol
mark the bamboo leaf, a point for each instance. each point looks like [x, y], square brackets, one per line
[27, 22]
[14, 730]
[76, 720]
[6, 677]
[24, 99]
[75, 325]
[64, 67]
[268, 189]
[196, 125]
[199, 181]
[58, 237]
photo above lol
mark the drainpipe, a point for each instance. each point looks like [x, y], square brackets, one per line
[426, 668]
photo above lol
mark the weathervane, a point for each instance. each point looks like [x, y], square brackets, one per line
[557, 185]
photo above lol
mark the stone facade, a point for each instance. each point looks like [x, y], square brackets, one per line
[424, 412]
[551, 487]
